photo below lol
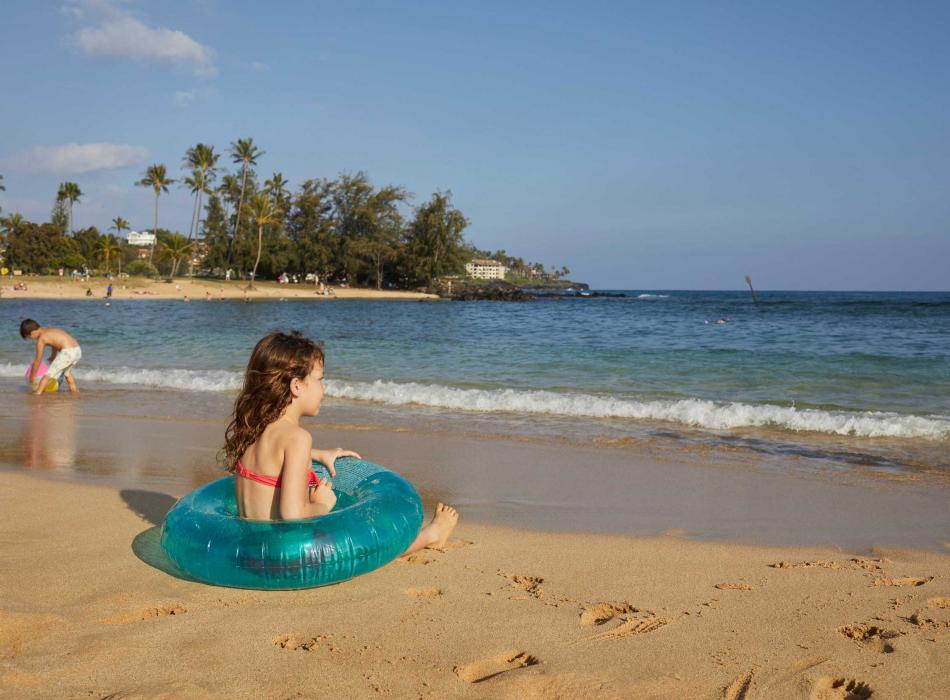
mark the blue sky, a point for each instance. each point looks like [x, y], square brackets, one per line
[645, 145]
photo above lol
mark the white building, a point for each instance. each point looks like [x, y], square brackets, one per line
[141, 239]
[486, 269]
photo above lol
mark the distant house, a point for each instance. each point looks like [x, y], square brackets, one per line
[482, 269]
[141, 243]
[143, 238]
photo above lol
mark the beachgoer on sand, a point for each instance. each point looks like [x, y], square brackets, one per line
[270, 452]
[64, 354]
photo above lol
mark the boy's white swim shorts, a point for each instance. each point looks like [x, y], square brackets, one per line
[64, 361]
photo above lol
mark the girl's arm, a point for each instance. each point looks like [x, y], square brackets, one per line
[328, 457]
[294, 492]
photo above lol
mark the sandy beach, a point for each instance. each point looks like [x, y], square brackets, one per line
[526, 601]
[194, 289]
[499, 613]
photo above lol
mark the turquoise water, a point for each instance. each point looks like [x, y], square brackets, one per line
[865, 365]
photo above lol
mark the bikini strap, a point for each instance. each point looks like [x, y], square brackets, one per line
[241, 470]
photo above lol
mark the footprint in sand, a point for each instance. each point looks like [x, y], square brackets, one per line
[295, 643]
[932, 618]
[452, 545]
[733, 586]
[740, 688]
[529, 584]
[904, 581]
[599, 613]
[424, 593]
[479, 671]
[628, 628]
[871, 636]
[828, 688]
[147, 614]
[420, 558]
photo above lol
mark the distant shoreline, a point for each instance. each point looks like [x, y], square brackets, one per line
[193, 289]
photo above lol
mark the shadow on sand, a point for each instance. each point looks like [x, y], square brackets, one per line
[152, 506]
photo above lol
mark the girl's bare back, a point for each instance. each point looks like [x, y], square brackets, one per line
[265, 457]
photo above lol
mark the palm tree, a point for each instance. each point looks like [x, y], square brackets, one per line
[119, 225]
[69, 192]
[12, 222]
[157, 178]
[277, 188]
[245, 152]
[175, 248]
[108, 247]
[198, 186]
[263, 213]
[229, 190]
[201, 158]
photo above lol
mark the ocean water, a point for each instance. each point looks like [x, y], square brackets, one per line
[870, 368]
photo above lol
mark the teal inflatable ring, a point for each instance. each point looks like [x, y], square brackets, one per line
[377, 516]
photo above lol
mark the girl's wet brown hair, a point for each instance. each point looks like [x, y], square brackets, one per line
[277, 359]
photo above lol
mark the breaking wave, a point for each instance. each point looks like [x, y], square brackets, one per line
[698, 413]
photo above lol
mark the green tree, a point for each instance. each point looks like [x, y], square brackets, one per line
[69, 193]
[119, 225]
[109, 249]
[174, 247]
[243, 151]
[310, 227]
[59, 215]
[157, 178]
[12, 222]
[262, 212]
[202, 161]
[87, 242]
[40, 248]
[380, 228]
[276, 187]
[215, 234]
[434, 242]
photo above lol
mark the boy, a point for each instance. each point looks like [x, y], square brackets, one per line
[63, 357]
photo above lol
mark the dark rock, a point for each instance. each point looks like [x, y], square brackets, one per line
[481, 290]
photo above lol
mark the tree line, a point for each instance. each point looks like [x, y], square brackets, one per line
[343, 229]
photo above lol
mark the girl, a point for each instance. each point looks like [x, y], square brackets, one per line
[270, 453]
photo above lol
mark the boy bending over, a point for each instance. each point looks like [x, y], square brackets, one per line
[64, 354]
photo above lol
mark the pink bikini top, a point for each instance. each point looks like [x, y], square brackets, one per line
[241, 470]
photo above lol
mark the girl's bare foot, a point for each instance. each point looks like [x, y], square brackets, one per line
[437, 532]
[443, 522]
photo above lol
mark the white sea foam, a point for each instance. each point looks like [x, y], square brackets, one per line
[183, 379]
[697, 413]
[693, 412]
[653, 296]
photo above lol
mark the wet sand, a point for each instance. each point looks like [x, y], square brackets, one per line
[169, 441]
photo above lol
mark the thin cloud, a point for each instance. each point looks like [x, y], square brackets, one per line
[121, 35]
[76, 158]
[183, 98]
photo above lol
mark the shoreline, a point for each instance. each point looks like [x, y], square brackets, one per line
[637, 488]
[197, 289]
[500, 612]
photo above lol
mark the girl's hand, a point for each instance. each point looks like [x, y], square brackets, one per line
[328, 457]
